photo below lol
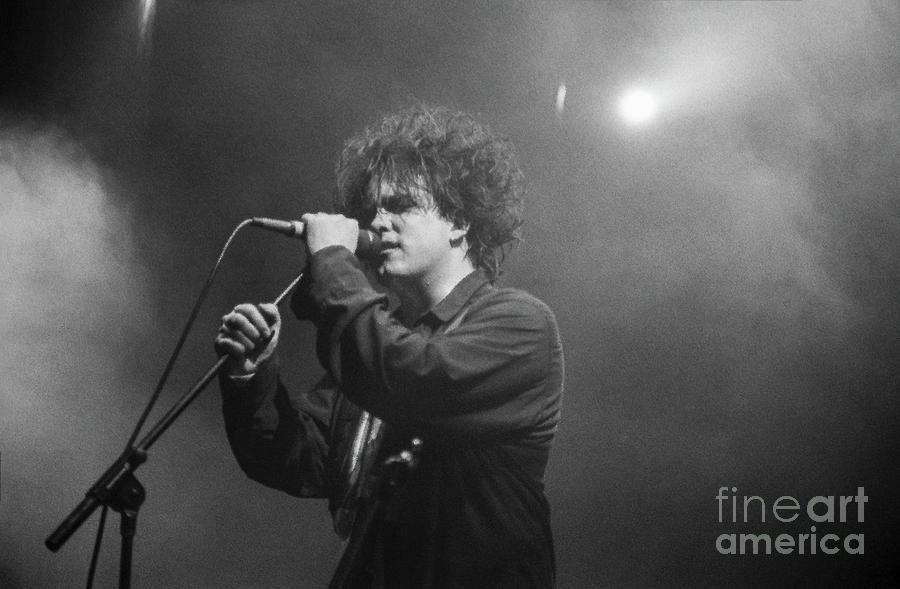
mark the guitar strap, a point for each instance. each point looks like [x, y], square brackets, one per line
[356, 467]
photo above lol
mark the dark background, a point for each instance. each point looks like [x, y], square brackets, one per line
[725, 276]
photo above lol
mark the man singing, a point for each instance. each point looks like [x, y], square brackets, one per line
[472, 369]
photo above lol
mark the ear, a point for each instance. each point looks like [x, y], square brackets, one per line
[457, 233]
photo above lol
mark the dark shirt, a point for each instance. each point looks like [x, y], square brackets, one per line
[478, 378]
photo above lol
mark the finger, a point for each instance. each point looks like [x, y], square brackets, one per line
[270, 314]
[248, 344]
[238, 322]
[226, 345]
[238, 337]
[253, 314]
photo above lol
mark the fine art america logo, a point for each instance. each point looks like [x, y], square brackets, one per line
[834, 511]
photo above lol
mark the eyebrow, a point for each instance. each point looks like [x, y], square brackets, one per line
[398, 200]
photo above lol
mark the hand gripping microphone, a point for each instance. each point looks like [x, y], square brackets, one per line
[368, 244]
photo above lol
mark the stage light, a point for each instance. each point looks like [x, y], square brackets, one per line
[637, 107]
[145, 24]
[561, 98]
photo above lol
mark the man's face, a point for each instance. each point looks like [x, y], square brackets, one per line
[415, 239]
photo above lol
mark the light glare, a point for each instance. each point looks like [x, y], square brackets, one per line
[561, 98]
[637, 107]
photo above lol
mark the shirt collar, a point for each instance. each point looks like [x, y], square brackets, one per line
[451, 304]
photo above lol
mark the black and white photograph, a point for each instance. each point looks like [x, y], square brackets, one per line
[463, 294]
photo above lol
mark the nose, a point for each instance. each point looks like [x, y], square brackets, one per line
[382, 221]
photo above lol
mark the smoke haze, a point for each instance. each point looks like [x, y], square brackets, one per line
[725, 276]
[74, 296]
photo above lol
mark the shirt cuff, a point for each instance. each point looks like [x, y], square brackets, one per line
[241, 380]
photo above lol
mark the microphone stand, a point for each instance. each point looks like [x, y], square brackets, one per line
[118, 488]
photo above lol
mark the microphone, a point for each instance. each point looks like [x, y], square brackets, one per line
[368, 244]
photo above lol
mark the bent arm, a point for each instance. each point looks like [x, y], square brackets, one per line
[499, 371]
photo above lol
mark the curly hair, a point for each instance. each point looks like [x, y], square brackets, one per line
[471, 173]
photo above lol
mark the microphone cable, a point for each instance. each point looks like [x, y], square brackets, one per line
[129, 446]
[204, 292]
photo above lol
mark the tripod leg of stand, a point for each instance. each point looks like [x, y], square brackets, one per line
[128, 528]
[128, 499]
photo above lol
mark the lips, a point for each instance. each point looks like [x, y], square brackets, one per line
[387, 246]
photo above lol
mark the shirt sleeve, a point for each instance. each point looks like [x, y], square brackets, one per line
[498, 372]
[279, 441]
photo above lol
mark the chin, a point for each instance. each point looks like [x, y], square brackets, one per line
[392, 271]
[387, 271]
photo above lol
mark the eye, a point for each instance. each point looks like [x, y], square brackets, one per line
[398, 203]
